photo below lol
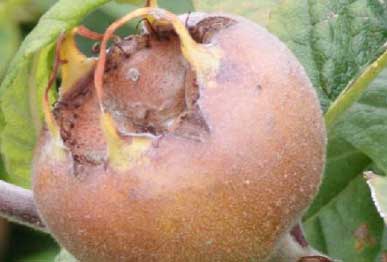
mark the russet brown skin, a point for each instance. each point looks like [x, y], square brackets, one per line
[224, 181]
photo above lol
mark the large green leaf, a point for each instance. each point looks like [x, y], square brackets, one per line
[344, 164]
[21, 107]
[365, 123]
[349, 227]
[343, 205]
[362, 127]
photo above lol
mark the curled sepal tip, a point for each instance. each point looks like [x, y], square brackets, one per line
[75, 64]
[123, 154]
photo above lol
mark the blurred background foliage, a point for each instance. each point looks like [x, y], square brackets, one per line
[17, 19]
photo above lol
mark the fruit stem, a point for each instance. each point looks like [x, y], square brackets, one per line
[78, 65]
[17, 205]
[205, 60]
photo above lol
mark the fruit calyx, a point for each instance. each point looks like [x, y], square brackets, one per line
[132, 127]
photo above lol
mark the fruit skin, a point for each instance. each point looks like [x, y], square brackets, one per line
[229, 191]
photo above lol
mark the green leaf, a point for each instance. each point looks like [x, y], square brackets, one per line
[344, 164]
[65, 256]
[364, 125]
[332, 39]
[355, 141]
[9, 39]
[378, 187]
[349, 227]
[28, 245]
[383, 253]
[20, 92]
[21, 107]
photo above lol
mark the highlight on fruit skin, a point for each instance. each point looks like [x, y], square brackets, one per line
[197, 143]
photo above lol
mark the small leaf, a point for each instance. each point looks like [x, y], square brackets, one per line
[65, 256]
[378, 187]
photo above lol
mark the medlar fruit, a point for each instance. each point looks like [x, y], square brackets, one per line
[199, 140]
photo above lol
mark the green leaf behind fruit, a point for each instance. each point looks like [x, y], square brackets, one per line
[364, 125]
[22, 110]
[349, 227]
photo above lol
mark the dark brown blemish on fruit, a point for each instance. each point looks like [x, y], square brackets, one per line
[206, 28]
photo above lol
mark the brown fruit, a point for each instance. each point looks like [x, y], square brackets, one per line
[205, 166]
